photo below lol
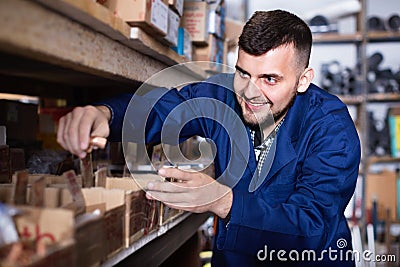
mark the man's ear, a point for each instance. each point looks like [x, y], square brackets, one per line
[305, 79]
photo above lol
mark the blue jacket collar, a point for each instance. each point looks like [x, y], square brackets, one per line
[283, 150]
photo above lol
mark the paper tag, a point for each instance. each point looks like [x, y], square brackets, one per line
[20, 188]
[75, 190]
[101, 177]
[37, 192]
[87, 170]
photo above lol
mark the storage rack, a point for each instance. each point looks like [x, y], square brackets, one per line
[57, 48]
[361, 38]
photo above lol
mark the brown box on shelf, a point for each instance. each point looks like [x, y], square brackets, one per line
[157, 213]
[151, 15]
[99, 232]
[207, 53]
[233, 29]
[177, 6]
[51, 195]
[17, 160]
[90, 240]
[195, 21]
[112, 204]
[5, 175]
[46, 224]
[383, 188]
[6, 193]
[50, 179]
[20, 119]
[173, 26]
[29, 253]
[135, 201]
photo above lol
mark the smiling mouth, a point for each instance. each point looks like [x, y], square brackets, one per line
[256, 106]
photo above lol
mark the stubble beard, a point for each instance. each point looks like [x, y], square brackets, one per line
[255, 123]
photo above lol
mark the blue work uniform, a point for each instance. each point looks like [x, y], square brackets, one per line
[295, 215]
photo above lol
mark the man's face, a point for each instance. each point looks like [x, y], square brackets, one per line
[266, 85]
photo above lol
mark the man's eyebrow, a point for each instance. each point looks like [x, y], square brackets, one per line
[272, 75]
[265, 75]
[242, 70]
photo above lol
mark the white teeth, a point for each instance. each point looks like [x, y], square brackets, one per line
[257, 104]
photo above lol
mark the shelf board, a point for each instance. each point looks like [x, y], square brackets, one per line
[376, 97]
[101, 19]
[154, 248]
[332, 38]
[352, 100]
[99, 45]
[383, 36]
[383, 97]
[385, 159]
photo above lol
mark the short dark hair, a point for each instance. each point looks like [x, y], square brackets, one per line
[267, 30]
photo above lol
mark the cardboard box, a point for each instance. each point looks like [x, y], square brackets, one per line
[6, 193]
[157, 213]
[209, 52]
[112, 204]
[177, 6]
[49, 225]
[17, 160]
[383, 188]
[151, 15]
[50, 179]
[195, 21]
[29, 253]
[90, 239]
[135, 202]
[233, 29]
[214, 23]
[5, 173]
[20, 119]
[184, 47]
[173, 27]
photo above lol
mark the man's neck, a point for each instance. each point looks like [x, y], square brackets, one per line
[269, 128]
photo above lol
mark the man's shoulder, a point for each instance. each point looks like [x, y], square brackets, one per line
[219, 86]
[319, 98]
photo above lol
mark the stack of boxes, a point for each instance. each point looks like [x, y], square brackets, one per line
[95, 223]
[194, 29]
[206, 25]
[151, 15]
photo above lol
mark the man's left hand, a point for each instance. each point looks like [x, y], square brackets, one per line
[194, 192]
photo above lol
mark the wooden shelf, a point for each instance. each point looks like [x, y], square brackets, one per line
[383, 36]
[385, 97]
[352, 100]
[153, 249]
[335, 38]
[100, 19]
[71, 41]
[385, 159]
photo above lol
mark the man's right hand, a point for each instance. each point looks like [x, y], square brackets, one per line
[76, 128]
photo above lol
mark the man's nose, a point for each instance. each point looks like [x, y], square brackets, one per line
[252, 90]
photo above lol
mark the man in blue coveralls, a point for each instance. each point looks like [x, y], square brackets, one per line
[281, 187]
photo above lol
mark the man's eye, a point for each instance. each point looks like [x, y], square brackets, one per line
[243, 75]
[270, 80]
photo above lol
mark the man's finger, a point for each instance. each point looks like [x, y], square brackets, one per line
[169, 187]
[176, 173]
[170, 198]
